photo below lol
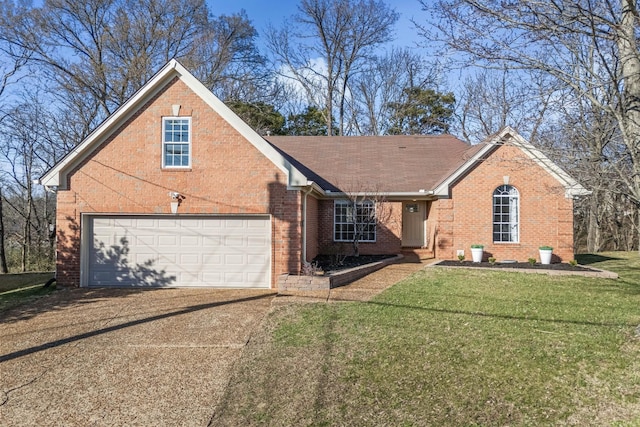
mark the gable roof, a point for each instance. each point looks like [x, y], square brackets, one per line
[386, 164]
[57, 175]
[507, 135]
[417, 165]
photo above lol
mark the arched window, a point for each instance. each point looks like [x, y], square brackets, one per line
[506, 214]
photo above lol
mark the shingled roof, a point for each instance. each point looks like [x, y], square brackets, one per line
[388, 164]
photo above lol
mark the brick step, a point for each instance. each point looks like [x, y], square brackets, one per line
[419, 253]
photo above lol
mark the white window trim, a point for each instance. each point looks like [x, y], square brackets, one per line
[190, 145]
[347, 202]
[515, 197]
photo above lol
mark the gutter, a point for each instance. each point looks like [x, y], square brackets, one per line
[401, 194]
[304, 222]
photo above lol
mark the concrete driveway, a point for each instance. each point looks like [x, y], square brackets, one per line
[123, 357]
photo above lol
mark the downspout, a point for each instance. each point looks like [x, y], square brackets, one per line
[304, 224]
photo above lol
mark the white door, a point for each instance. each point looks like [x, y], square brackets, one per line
[158, 251]
[413, 224]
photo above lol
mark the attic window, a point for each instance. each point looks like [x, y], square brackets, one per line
[176, 142]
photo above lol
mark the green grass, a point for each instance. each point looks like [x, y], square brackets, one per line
[21, 288]
[21, 280]
[452, 347]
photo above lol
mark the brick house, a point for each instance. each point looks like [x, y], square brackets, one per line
[173, 189]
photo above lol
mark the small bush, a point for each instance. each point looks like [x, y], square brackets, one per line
[532, 261]
[573, 262]
[492, 260]
[460, 257]
[310, 268]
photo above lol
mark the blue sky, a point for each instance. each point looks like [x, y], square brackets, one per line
[262, 12]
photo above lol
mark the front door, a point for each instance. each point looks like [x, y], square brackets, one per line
[413, 224]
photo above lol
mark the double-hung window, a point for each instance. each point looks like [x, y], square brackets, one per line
[354, 220]
[176, 142]
[506, 214]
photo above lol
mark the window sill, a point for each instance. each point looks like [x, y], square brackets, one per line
[351, 241]
[165, 169]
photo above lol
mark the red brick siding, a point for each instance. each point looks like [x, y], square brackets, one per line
[546, 216]
[388, 234]
[228, 176]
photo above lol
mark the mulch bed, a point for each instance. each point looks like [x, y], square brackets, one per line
[562, 266]
[328, 263]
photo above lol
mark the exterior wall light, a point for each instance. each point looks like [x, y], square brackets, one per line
[176, 199]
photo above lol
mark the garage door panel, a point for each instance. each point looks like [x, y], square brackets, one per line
[183, 251]
[142, 258]
[148, 240]
[122, 222]
[234, 241]
[258, 224]
[167, 224]
[256, 242]
[233, 278]
[164, 258]
[186, 240]
[234, 259]
[189, 260]
[211, 241]
[234, 224]
[212, 259]
[170, 240]
[256, 261]
[213, 223]
[212, 277]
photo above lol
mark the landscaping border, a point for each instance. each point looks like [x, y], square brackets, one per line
[596, 272]
[293, 282]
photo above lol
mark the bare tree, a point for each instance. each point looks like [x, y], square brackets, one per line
[226, 59]
[493, 99]
[342, 34]
[97, 53]
[590, 47]
[3, 254]
[12, 60]
[381, 84]
[22, 139]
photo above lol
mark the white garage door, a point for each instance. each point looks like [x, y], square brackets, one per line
[179, 251]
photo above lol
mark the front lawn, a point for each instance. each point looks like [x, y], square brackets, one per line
[451, 347]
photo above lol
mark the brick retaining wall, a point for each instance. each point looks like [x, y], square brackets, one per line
[292, 282]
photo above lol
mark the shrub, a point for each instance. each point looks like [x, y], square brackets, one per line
[310, 268]
[532, 261]
[492, 260]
